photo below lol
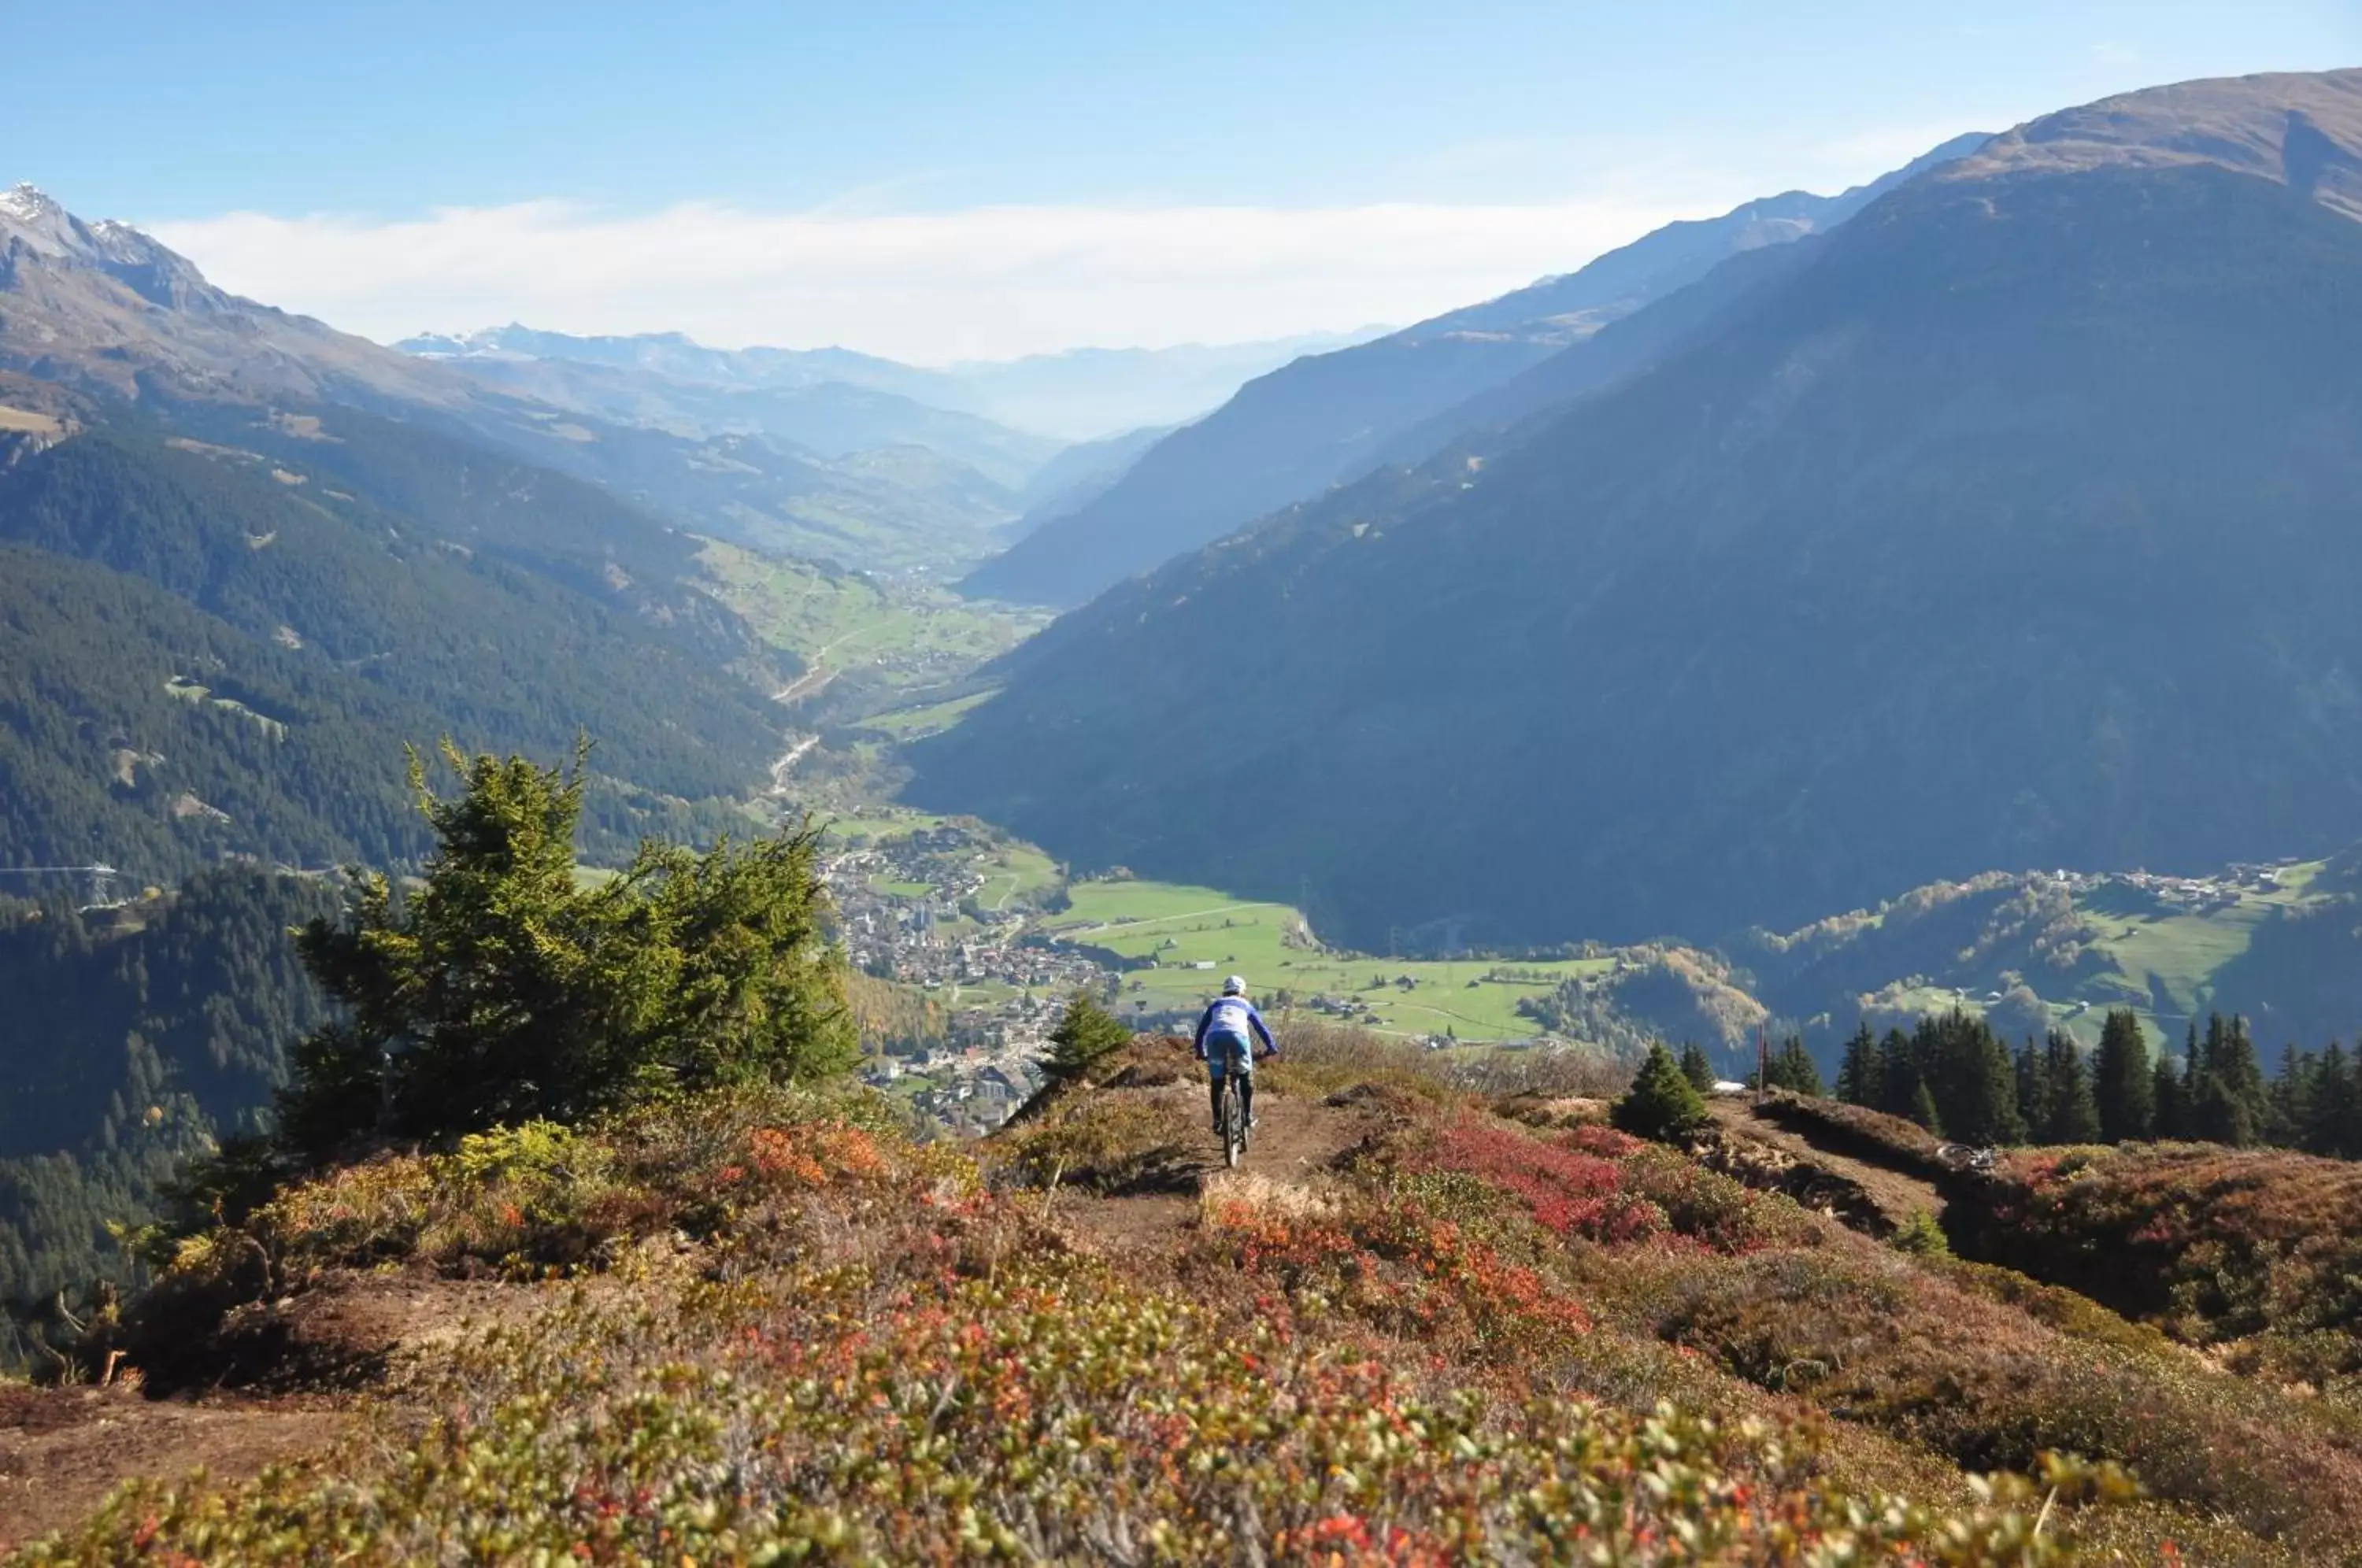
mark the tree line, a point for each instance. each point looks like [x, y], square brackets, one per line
[1953, 1076]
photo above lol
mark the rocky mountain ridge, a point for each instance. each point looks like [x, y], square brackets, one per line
[1887, 574]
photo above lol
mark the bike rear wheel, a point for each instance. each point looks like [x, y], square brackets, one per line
[1234, 1124]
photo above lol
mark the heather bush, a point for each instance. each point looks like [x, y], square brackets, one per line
[526, 1200]
[1566, 1189]
[1453, 1348]
[2256, 1252]
[1921, 1236]
[1984, 1366]
[1717, 1210]
[1869, 1332]
[1106, 1144]
[892, 1411]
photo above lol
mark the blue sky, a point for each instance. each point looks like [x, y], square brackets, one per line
[861, 172]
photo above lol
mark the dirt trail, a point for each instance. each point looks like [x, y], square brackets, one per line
[1295, 1139]
[1896, 1194]
[62, 1450]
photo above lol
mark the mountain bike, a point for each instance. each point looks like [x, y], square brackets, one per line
[1236, 1129]
[1961, 1157]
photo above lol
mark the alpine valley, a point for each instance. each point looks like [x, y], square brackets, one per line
[597, 931]
[2012, 522]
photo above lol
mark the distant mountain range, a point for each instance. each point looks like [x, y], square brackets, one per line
[1081, 395]
[1096, 393]
[104, 310]
[2012, 522]
[824, 420]
[1324, 419]
[245, 560]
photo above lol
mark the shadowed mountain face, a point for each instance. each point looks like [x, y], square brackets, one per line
[2018, 526]
[1326, 418]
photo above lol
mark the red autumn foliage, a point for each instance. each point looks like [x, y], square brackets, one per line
[1568, 1190]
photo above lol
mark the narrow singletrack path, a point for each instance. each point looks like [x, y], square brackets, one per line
[1296, 1138]
[1898, 1193]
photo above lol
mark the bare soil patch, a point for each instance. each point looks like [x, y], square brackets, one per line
[1295, 1139]
[64, 1449]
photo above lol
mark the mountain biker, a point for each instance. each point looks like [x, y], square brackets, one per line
[1227, 1032]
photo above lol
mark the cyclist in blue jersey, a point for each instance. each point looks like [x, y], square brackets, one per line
[1227, 1033]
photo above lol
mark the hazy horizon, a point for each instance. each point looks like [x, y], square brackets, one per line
[969, 187]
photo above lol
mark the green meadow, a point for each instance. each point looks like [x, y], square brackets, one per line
[1181, 928]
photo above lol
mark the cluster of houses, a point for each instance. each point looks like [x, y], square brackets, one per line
[907, 911]
[2197, 895]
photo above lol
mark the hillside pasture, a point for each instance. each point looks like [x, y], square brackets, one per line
[1181, 927]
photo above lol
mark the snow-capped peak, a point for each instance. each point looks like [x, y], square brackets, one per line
[32, 222]
[27, 202]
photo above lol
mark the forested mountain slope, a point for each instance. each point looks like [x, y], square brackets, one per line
[130, 1039]
[2018, 527]
[208, 651]
[1325, 418]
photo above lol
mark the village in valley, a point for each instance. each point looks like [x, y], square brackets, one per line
[919, 907]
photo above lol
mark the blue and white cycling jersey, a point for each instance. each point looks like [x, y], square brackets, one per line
[1227, 1034]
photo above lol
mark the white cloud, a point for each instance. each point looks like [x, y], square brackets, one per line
[981, 284]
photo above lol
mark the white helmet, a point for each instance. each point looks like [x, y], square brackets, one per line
[1234, 987]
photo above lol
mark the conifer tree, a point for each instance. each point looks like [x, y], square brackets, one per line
[2218, 1115]
[2070, 1113]
[2334, 1104]
[2228, 1056]
[2032, 1091]
[1858, 1074]
[2170, 1098]
[1662, 1102]
[1899, 1076]
[1793, 1069]
[1696, 1068]
[1084, 1032]
[2289, 1096]
[500, 991]
[2124, 1085]
[1922, 1109]
[1973, 1079]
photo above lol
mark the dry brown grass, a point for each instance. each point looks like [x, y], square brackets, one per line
[1855, 1130]
[1226, 1195]
[29, 420]
[1321, 1059]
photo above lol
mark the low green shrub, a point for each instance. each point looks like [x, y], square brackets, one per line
[1106, 1144]
[1055, 1411]
[1921, 1236]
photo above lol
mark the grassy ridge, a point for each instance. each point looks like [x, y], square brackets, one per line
[2034, 951]
[875, 1351]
